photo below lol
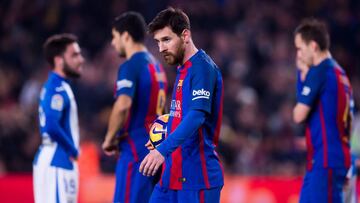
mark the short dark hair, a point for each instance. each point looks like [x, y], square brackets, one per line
[56, 45]
[176, 19]
[133, 23]
[314, 30]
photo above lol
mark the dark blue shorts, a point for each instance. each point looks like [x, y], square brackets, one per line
[323, 185]
[131, 186]
[163, 195]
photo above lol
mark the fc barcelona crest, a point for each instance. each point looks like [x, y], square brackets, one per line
[179, 85]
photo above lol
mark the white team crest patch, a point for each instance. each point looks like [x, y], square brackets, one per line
[123, 83]
[57, 102]
[59, 89]
[306, 91]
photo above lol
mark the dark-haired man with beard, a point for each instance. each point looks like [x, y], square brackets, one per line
[192, 171]
[55, 170]
[139, 98]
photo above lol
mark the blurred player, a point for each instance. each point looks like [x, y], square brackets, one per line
[192, 171]
[55, 169]
[324, 103]
[140, 98]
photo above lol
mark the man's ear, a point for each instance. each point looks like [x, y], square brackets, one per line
[314, 46]
[126, 36]
[186, 35]
[58, 61]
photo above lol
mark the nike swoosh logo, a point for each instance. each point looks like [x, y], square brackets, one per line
[154, 131]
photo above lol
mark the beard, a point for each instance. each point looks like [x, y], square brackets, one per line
[177, 57]
[122, 53]
[70, 72]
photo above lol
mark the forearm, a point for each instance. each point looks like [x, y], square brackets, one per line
[117, 121]
[57, 134]
[300, 113]
[188, 126]
[118, 116]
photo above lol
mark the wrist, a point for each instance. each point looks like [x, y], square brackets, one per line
[162, 149]
[108, 138]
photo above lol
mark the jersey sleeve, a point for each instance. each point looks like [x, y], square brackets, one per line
[191, 123]
[126, 80]
[202, 88]
[54, 105]
[53, 108]
[312, 87]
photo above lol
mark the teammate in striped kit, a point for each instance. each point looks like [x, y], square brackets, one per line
[140, 97]
[191, 171]
[324, 103]
[55, 170]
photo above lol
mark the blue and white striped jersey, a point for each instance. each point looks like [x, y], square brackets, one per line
[59, 127]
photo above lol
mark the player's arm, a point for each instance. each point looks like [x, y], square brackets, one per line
[57, 134]
[202, 86]
[118, 116]
[300, 112]
[53, 113]
[203, 81]
[308, 92]
[188, 126]
[125, 90]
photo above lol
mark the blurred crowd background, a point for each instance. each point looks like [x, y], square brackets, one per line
[250, 40]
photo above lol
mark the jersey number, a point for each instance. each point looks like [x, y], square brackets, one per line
[160, 102]
[42, 117]
[70, 186]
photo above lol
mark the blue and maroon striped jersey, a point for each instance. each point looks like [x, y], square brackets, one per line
[194, 164]
[144, 80]
[327, 91]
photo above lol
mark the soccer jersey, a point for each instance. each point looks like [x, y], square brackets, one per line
[55, 176]
[142, 78]
[195, 165]
[58, 124]
[328, 92]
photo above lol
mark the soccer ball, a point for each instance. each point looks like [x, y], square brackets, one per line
[158, 130]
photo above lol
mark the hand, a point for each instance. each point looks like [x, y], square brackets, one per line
[149, 146]
[151, 163]
[110, 147]
[303, 68]
[301, 65]
[73, 159]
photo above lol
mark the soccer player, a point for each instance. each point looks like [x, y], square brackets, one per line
[140, 97]
[55, 170]
[324, 103]
[192, 171]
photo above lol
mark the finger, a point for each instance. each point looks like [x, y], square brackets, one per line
[104, 146]
[156, 168]
[147, 167]
[149, 145]
[109, 152]
[141, 168]
[151, 169]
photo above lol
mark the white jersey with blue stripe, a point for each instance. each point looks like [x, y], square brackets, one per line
[59, 127]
